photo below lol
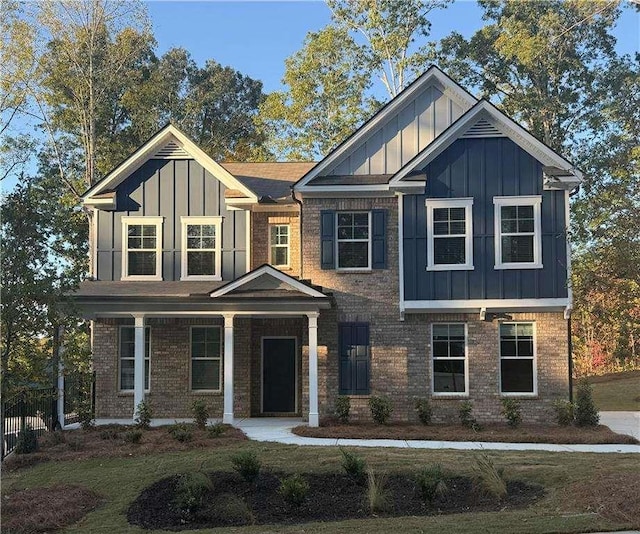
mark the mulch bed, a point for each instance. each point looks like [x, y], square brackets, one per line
[490, 432]
[46, 509]
[331, 497]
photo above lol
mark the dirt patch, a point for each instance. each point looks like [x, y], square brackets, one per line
[46, 509]
[493, 433]
[331, 497]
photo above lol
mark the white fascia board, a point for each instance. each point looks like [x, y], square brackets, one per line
[104, 203]
[274, 273]
[452, 89]
[346, 191]
[476, 305]
[144, 153]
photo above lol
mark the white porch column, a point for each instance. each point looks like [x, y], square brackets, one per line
[314, 418]
[228, 369]
[138, 366]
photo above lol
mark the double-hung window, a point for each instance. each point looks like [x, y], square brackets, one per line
[142, 248]
[518, 233]
[279, 244]
[353, 240]
[201, 254]
[127, 357]
[517, 359]
[205, 358]
[449, 234]
[450, 365]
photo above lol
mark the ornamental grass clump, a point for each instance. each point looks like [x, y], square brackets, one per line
[488, 478]
[379, 497]
[432, 482]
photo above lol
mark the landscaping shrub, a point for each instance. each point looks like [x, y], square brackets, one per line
[27, 440]
[381, 409]
[247, 464]
[200, 413]
[132, 436]
[564, 412]
[354, 466]
[109, 434]
[144, 413]
[181, 432]
[489, 480]
[216, 430]
[294, 489]
[432, 482]
[466, 417]
[190, 492]
[512, 411]
[343, 407]
[586, 413]
[423, 407]
[85, 413]
[378, 495]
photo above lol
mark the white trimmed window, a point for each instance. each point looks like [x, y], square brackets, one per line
[450, 375]
[279, 238]
[449, 234]
[518, 232]
[142, 248]
[518, 374]
[127, 357]
[201, 248]
[206, 362]
[353, 243]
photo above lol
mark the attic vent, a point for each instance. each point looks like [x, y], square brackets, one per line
[483, 128]
[172, 151]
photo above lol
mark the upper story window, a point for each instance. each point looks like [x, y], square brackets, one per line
[142, 248]
[201, 254]
[279, 239]
[353, 240]
[517, 359]
[449, 350]
[518, 232]
[449, 234]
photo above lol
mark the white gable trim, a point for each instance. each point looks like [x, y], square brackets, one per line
[150, 149]
[520, 136]
[274, 273]
[451, 89]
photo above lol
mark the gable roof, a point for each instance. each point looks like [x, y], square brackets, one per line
[484, 113]
[167, 142]
[431, 75]
[269, 180]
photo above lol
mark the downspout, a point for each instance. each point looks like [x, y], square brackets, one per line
[570, 359]
[299, 202]
[569, 309]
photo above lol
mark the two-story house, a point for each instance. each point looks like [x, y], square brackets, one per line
[426, 256]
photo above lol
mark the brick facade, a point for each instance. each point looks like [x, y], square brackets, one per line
[261, 223]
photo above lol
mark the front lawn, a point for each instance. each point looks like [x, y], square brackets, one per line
[617, 391]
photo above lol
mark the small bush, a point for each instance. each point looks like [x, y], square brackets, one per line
[489, 480]
[190, 492]
[564, 412]
[423, 407]
[432, 482]
[216, 430]
[354, 466]
[85, 414]
[132, 436]
[144, 413]
[27, 440]
[586, 413]
[381, 409]
[343, 407]
[109, 434]
[466, 417]
[181, 432]
[378, 496]
[512, 411]
[247, 464]
[294, 489]
[200, 413]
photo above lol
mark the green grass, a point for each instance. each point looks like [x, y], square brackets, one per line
[617, 392]
[120, 480]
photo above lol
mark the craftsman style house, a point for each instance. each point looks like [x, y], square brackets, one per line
[426, 256]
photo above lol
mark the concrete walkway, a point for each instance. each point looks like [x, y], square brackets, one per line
[622, 422]
[279, 430]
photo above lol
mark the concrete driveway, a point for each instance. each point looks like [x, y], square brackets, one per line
[622, 422]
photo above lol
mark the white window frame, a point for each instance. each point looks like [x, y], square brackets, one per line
[217, 250]
[534, 360]
[532, 200]
[275, 245]
[465, 393]
[137, 221]
[146, 329]
[219, 358]
[368, 240]
[467, 204]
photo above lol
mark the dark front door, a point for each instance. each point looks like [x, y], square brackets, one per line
[278, 375]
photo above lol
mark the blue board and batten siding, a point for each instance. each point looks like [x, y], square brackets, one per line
[483, 169]
[171, 189]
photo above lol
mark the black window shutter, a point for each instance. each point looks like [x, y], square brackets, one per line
[327, 239]
[379, 239]
[354, 358]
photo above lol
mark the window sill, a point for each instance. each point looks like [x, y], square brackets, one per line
[524, 396]
[356, 396]
[201, 278]
[210, 392]
[130, 393]
[354, 271]
[512, 266]
[141, 278]
[454, 267]
[452, 396]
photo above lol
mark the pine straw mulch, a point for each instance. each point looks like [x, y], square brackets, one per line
[108, 442]
[489, 432]
[46, 509]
